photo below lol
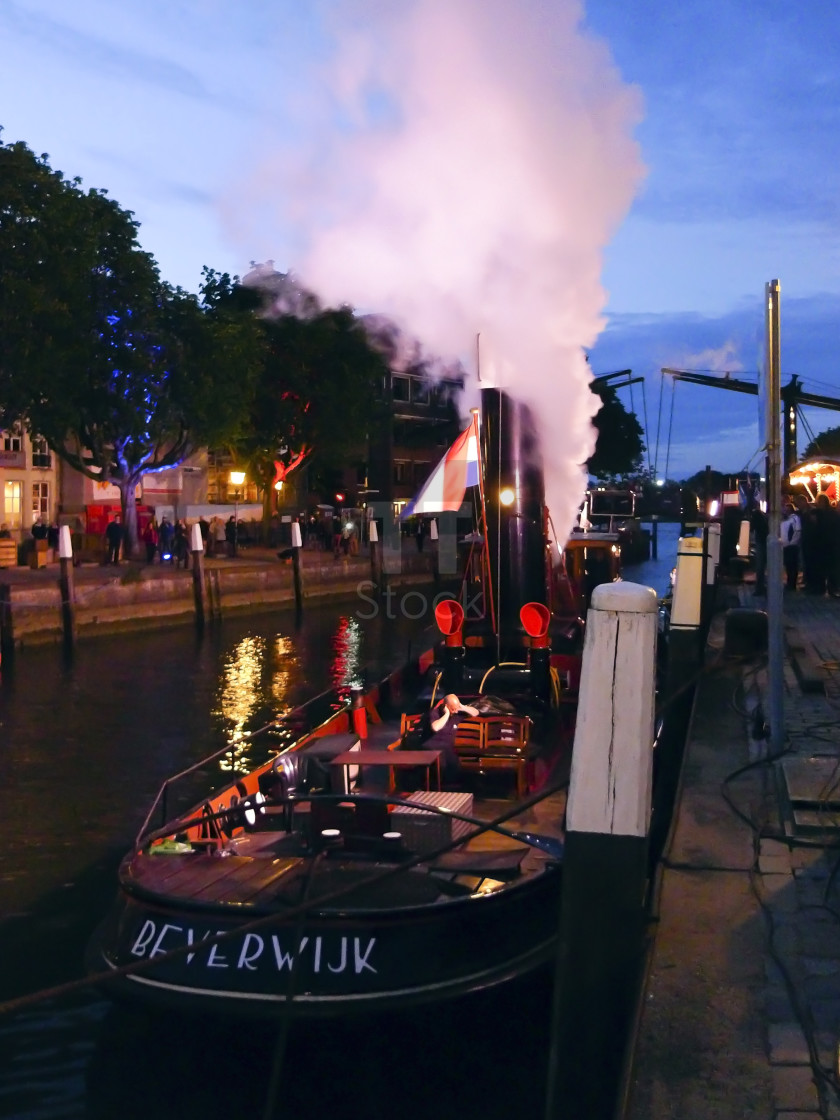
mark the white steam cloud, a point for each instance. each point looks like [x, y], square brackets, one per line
[463, 165]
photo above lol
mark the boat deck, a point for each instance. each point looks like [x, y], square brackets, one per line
[271, 870]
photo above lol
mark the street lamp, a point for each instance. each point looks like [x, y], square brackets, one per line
[236, 480]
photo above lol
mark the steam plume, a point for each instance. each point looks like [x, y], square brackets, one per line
[465, 163]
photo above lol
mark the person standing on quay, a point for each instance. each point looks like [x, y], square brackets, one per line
[113, 539]
[826, 547]
[150, 540]
[761, 530]
[791, 534]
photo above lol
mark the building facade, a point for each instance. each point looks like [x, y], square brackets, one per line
[30, 477]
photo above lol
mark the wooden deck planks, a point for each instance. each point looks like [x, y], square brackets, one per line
[201, 878]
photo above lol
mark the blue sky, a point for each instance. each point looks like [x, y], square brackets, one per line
[186, 113]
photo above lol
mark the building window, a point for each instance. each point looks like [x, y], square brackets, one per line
[401, 469]
[401, 389]
[41, 453]
[420, 392]
[12, 493]
[12, 441]
[421, 473]
[41, 501]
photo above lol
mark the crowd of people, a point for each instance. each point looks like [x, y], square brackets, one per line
[810, 537]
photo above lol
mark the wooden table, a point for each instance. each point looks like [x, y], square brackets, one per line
[392, 759]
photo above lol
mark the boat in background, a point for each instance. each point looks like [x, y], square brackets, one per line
[333, 871]
[613, 510]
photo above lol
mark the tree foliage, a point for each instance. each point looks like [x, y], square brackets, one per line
[315, 391]
[122, 374]
[619, 446]
[826, 444]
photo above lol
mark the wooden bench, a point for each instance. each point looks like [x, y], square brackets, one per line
[8, 552]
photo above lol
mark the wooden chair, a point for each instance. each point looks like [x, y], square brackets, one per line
[409, 721]
[468, 743]
[501, 744]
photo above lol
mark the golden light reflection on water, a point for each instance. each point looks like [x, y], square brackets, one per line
[240, 695]
[267, 673]
[285, 671]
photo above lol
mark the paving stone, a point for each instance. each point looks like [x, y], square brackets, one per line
[772, 972]
[768, 847]
[777, 1004]
[821, 987]
[809, 892]
[798, 1115]
[820, 966]
[821, 940]
[812, 867]
[825, 1014]
[787, 1044]
[774, 865]
[794, 1088]
[787, 939]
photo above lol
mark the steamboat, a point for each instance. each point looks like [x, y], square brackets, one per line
[400, 844]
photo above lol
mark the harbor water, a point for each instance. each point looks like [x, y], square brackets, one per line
[84, 747]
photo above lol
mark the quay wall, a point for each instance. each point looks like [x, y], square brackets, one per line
[136, 596]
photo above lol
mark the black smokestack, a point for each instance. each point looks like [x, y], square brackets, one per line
[515, 501]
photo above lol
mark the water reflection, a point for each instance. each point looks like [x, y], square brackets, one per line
[240, 694]
[347, 645]
[285, 669]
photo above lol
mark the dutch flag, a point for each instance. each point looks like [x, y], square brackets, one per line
[445, 487]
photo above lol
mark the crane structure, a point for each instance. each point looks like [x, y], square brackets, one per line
[793, 397]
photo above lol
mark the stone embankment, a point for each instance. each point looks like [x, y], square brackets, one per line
[135, 595]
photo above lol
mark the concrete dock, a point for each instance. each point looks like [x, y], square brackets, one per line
[740, 1012]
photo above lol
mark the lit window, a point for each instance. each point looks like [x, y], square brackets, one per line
[12, 495]
[40, 501]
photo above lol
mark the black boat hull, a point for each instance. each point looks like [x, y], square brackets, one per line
[331, 963]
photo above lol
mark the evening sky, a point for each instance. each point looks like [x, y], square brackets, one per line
[169, 106]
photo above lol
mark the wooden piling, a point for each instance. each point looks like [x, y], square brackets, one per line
[605, 863]
[66, 586]
[375, 555]
[199, 591]
[297, 573]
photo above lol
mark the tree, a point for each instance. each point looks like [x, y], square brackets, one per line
[825, 445]
[316, 388]
[619, 447]
[121, 374]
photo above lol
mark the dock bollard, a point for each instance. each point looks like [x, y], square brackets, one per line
[605, 864]
[66, 587]
[197, 549]
[375, 555]
[297, 574]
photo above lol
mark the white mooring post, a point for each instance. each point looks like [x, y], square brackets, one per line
[197, 550]
[605, 867]
[66, 585]
[297, 573]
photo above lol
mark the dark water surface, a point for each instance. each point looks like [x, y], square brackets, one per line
[84, 749]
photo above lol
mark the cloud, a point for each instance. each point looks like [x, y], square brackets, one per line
[105, 55]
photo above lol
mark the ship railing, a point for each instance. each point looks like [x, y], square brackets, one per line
[161, 802]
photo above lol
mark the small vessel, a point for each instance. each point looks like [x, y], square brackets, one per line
[613, 510]
[348, 865]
